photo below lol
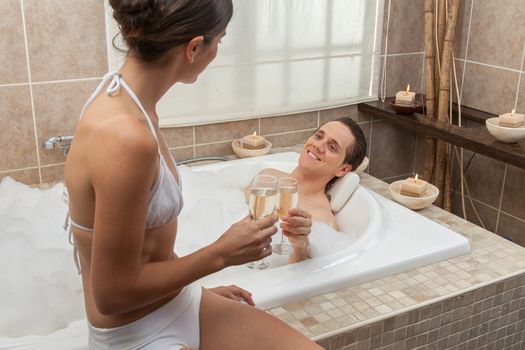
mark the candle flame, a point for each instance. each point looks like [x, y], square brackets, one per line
[415, 177]
[513, 111]
[408, 88]
[255, 133]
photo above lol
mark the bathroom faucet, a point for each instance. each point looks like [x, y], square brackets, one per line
[63, 141]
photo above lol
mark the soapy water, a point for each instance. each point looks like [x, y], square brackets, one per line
[41, 291]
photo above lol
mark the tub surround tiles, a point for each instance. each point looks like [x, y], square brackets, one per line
[17, 133]
[490, 89]
[512, 228]
[462, 27]
[182, 153]
[56, 56]
[392, 150]
[404, 302]
[490, 317]
[214, 149]
[277, 125]
[403, 70]
[484, 177]
[13, 69]
[513, 201]
[494, 37]
[521, 94]
[406, 27]
[293, 138]
[53, 174]
[488, 214]
[340, 112]
[225, 131]
[27, 176]
[178, 137]
[57, 109]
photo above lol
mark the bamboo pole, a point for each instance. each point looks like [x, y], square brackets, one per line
[443, 98]
[430, 100]
[441, 22]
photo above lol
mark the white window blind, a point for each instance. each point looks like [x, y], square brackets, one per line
[279, 57]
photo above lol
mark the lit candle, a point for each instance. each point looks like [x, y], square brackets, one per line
[511, 120]
[253, 141]
[413, 187]
[405, 97]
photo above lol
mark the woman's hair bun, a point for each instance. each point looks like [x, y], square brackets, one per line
[133, 16]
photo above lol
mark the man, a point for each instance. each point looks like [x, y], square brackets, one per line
[335, 149]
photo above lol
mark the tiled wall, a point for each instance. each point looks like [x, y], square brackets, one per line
[50, 67]
[489, 55]
[491, 317]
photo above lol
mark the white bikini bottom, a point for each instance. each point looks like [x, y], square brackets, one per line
[174, 325]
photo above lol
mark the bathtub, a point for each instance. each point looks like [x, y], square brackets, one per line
[387, 239]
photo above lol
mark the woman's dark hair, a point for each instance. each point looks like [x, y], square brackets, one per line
[151, 28]
[356, 152]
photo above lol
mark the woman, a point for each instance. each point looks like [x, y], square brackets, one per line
[124, 198]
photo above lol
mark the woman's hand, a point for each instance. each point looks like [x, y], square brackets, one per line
[235, 293]
[246, 241]
[297, 225]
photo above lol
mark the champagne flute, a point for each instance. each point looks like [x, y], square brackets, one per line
[263, 195]
[287, 199]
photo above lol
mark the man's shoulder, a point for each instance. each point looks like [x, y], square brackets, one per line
[274, 172]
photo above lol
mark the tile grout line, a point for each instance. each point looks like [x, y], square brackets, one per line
[519, 78]
[501, 198]
[193, 132]
[490, 65]
[31, 90]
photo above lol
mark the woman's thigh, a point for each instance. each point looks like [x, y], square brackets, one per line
[229, 325]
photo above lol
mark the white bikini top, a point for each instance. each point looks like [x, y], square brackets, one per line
[165, 198]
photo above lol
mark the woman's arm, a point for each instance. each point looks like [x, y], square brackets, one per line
[122, 175]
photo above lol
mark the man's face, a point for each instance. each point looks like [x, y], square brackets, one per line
[325, 151]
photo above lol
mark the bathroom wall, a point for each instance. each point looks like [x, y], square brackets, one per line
[50, 67]
[489, 53]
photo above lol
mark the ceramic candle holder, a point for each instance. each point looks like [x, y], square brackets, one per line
[504, 134]
[415, 203]
[245, 153]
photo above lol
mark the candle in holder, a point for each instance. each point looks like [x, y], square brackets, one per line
[405, 97]
[511, 120]
[413, 187]
[253, 141]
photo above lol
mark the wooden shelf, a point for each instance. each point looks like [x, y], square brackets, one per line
[475, 139]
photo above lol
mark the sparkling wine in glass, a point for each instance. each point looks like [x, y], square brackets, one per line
[263, 196]
[287, 199]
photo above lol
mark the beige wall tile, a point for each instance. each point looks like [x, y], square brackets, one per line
[17, 134]
[521, 95]
[487, 214]
[496, 35]
[57, 109]
[293, 138]
[66, 39]
[489, 89]
[214, 149]
[403, 70]
[276, 125]
[182, 153]
[514, 192]
[178, 137]
[406, 28]
[512, 229]
[53, 174]
[392, 151]
[27, 176]
[225, 131]
[462, 26]
[12, 46]
[485, 178]
[351, 111]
